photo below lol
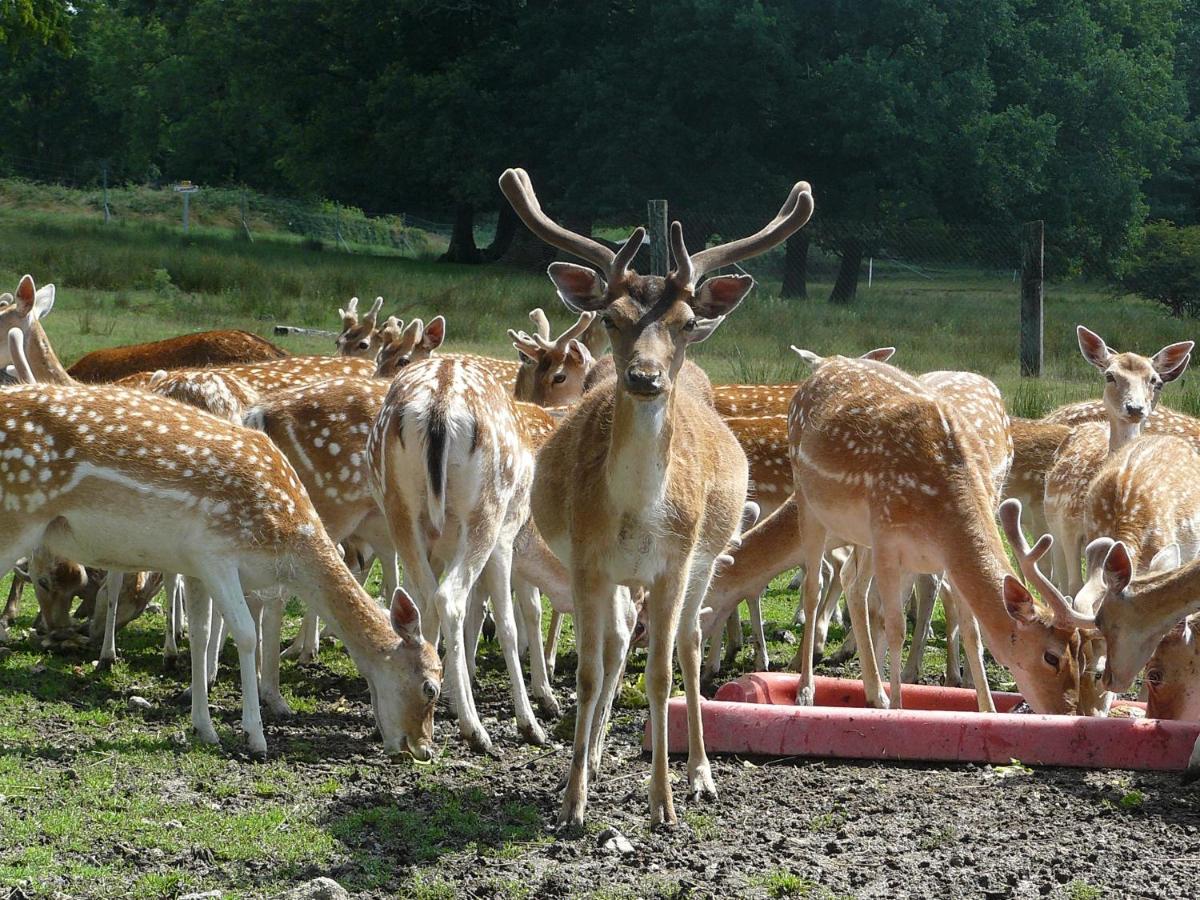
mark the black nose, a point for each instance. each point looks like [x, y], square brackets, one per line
[1135, 410]
[643, 381]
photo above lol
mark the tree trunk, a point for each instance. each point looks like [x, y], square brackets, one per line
[795, 266]
[462, 247]
[845, 288]
[506, 230]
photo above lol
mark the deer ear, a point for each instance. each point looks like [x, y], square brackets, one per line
[26, 294]
[1168, 558]
[808, 356]
[719, 296]
[579, 352]
[1093, 348]
[1171, 361]
[879, 354]
[1096, 553]
[1118, 568]
[580, 288]
[1019, 602]
[406, 618]
[435, 333]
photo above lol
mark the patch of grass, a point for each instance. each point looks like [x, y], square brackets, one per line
[1081, 890]
[940, 837]
[826, 822]
[703, 825]
[782, 883]
[1132, 800]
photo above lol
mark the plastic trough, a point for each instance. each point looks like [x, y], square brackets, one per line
[756, 715]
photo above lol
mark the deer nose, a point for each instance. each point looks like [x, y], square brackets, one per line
[643, 379]
[1135, 410]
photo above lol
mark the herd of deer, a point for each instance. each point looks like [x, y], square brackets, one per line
[617, 484]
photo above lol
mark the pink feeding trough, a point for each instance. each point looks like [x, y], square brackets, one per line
[757, 715]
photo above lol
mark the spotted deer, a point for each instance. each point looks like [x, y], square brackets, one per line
[130, 481]
[452, 475]
[887, 462]
[1133, 385]
[1035, 447]
[666, 480]
[401, 345]
[359, 337]
[1146, 495]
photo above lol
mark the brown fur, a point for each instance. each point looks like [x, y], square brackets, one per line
[206, 348]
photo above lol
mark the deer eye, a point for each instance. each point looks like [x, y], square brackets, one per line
[608, 322]
[1154, 677]
[1156, 383]
[364, 345]
[1110, 377]
[1051, 659]
[691, 324]
[44, 584]
[560, 377]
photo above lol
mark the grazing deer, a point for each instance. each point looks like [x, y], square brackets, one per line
[642, 485]
[452, 474]
[1147, 495]
[358, 338]
[207, 348]
[887, 462]
[1133, 385]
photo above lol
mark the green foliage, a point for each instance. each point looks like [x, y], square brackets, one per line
[1166, 268]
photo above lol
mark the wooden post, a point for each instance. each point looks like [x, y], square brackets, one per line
[1032, 295]
[660, 254]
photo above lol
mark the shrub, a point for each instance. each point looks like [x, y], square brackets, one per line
[1166, 268]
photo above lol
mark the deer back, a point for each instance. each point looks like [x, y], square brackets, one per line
[206, 348]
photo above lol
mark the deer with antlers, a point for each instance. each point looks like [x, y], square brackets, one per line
[665, 479]
[131, 481]
[552, 372]
[359, 337]
[1133, 385]
[887, 462]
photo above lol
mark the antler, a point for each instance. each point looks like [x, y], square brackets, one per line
[1065, 614]
[540, 322]
[518, 189]
[374, 311]
[16, 349]
[796, 210]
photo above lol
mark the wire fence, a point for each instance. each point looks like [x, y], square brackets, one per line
[825, 255]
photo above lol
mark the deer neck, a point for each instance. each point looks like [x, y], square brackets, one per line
[770, 547]
[639, 452]
[976, 565]
[323, 580]
[1121, 432]
[1163, 598]
[43, 361]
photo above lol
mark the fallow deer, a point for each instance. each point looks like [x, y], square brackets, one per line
[1035, 448]
[552, 372]
[642, 485]
[206, 348]
[401, 345]
[1146, 495]
[1173, 674]
[358, 338]
[1133, 385]
[887, 462]
[454, 524]
[129, 481]
[753, 399]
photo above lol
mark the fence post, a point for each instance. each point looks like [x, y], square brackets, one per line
[1032, 295]
[245, 224]
[337, 227]
[656, 215]
[104, 178]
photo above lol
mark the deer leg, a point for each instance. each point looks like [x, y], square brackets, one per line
[926, 591]
[10, 607]
[272, 624]
[831, 595]
[497, 577]
[712, 656]
[473, 625]
[550, 651]
[199, 616]
[616, 650]
[954, 673]
[758, 634]
[856, 581]
[973, 646]
[112, 588]
[529, 605]
[663, 607]
[170, 650]
[803, 658]
[700, 780]
[894, 587]
[733, 635]
[229, 598]
[596, 606]
[451, 599]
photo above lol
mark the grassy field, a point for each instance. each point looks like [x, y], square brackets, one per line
[99, 798]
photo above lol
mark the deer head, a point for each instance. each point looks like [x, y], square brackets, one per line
[358, 338]
[552, 371]
[400, 346]
[1173, 674]
[651, 319]
[1133, 383]
[29, 305]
